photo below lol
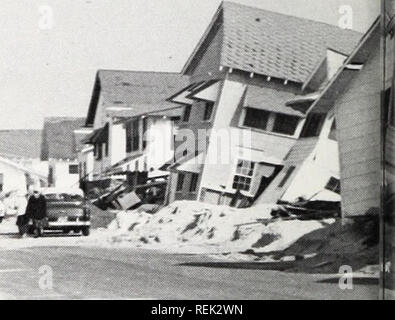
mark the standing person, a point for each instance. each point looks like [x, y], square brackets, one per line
[37, 211]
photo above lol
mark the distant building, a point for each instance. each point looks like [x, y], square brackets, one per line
[16, 177]
[24, 148]
[60, 147]
[248, 66]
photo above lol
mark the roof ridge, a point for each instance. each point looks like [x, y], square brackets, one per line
[226, 2]
[139, 71]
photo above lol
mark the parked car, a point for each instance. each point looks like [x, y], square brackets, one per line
[67, 210]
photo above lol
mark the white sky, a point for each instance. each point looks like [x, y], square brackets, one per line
[51, 72]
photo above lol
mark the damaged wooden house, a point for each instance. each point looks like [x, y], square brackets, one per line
[132, 135]
[254, 75]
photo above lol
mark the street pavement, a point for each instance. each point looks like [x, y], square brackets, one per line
[72, 267]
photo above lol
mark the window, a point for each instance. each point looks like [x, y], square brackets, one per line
[128, 132]
[244, 173]
[255, 118]
[145, 128]
[333, 185]
[106, 149]
[132, 136]
[286, 176]
[285, 124]
[99, 153]
[85, 169]
[135, 135]
[73, 169]
[1, 181]
[241, 183]
[180, 182]
[194, 181]
[208, 111]
[313, 125]
[187, 113]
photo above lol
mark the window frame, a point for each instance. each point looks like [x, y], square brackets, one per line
[180, 182]
[194, 182]
[186, 116]
[73, 166]
[244, 175]
[208, 110]
[267, 116]
[276, 121]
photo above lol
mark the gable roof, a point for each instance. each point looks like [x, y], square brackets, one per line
[132, 89]
[339, 82]
[272, 44]
[58, 139]
[20, 143]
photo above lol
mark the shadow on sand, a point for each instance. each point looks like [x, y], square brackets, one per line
[276, 266]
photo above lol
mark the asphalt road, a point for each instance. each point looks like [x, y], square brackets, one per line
[94, 272]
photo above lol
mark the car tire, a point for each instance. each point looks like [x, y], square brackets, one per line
[86, 232]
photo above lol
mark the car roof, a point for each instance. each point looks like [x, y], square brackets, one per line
[55, 190]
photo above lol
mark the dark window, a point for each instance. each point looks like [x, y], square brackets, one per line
[106, 149]
[180, 182]
[145, 128]
[241, 183]
[313, 125]
[208, 111]
[285, 124]
[85, 169]
[332, 133]
[1, 181]
[187, 113]
[333, 185]
[244, 173]
[99, 154]
[128, 132]
[50, 176]
[73, 169]
[194, 181]
[286, 177]
[255, 118]
[135, 135]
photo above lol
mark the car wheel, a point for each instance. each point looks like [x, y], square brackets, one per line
[86, 232]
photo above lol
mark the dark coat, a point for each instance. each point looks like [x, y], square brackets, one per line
[36, 208]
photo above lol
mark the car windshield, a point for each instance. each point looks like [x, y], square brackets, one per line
[63, 197]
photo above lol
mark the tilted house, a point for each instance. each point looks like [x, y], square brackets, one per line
[60, 147]
[248, 66]
[124, 106]
[353, 98]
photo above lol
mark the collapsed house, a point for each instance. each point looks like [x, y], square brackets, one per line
[250, 66]
[132, 134]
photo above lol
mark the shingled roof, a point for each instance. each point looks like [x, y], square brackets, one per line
[272, 44]
[134, 90]
[58, 139]
[20, 143]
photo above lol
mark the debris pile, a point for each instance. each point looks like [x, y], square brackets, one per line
[202, 227]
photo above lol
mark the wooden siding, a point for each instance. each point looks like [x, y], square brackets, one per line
[358, 132]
